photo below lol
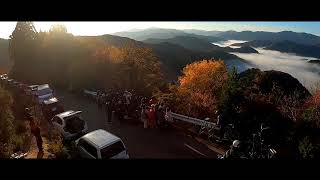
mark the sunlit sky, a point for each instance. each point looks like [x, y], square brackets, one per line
[99, 28]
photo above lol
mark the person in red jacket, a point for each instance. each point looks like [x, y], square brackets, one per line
[152, 116]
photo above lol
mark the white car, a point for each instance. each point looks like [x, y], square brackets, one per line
[70, 124]
[100, 144]
[43, 92]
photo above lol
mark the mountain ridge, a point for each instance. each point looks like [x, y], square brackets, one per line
[298, 37]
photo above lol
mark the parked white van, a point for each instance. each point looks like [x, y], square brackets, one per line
[100, 144]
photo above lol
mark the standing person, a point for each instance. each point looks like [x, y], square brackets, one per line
[152, 116]
[155, 108]
[127, 96]
[235, 151]
[144, 117]
[143, 102]
[35, 130]
[119, 109]
[152, 101]
[127, 99]
[222, 123]
[98, 99]
[168, 116]
[109, 109]
[27, 113]
[158, 114]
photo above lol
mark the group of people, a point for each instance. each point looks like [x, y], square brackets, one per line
[153, 113]
[127, 103]
[123, 103]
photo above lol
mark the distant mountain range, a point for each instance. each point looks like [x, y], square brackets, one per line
[158, 33]
[191, 43]
[301, 38]
[141, 35]
[254, 43]
[199, 44]
[314, 62]
[302, 44]
[202, 32]
[291, 47]
[285, 46]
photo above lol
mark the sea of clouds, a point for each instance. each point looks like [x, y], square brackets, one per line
[308, 74]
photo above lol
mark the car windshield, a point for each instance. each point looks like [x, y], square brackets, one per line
[112, 150]
[44, 91]
[74, 124]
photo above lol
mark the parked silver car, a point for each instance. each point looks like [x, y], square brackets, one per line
[70, 124]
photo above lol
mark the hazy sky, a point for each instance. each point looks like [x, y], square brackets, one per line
[100, 27]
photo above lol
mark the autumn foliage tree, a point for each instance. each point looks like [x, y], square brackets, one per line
[200, 88]
[139, 68]
[126, 67]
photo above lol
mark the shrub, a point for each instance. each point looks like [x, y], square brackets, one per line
[7, 129]
[57, 147]
[20, 127]
[19, 142]
[307, 149]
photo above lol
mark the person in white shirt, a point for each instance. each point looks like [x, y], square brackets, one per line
[127, 96]
[168, 115]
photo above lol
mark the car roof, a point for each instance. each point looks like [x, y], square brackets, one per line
[50, 101]
[43, 86]
[68, 113]
[100, 138]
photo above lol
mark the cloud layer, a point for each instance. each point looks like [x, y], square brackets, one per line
[308, 74]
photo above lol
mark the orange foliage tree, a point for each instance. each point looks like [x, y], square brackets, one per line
[129, 67]
[200, 89]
